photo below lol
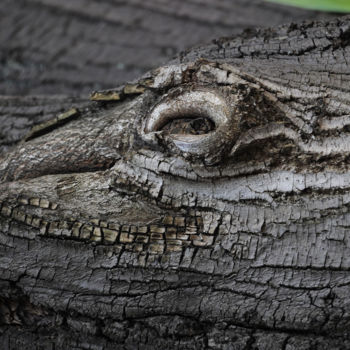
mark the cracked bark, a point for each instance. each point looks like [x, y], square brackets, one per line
[114, 232]
[54, 47]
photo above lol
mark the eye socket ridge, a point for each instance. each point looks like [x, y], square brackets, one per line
[205, 105]
[216, 111]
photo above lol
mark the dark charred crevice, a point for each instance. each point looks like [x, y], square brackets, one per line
[106, 165]
[174, 327]
[98, 166]
[16, 308]
[343, 40]
[47, 127]
[297, 196]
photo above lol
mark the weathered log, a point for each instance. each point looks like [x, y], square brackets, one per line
[74, 47]
[204, 206]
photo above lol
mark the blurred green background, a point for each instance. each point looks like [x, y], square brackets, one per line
[322, 5]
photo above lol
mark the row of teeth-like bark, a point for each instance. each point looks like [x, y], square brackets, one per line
[38, 202]
[172, 234]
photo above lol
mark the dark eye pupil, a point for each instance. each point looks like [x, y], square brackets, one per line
[192, 125]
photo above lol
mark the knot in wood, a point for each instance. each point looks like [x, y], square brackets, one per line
[199, 122]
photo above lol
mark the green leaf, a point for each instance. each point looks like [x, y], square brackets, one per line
[322, 5]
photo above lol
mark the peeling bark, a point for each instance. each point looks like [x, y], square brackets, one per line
[126, 227]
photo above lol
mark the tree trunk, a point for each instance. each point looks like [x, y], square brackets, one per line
[204, 206]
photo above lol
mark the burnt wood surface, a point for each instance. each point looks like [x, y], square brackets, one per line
[123, 228]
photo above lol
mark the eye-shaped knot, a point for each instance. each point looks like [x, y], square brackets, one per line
[199, 123]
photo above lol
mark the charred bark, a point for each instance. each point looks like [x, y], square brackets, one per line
[135, 225]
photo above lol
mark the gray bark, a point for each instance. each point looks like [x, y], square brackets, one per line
[204, 206]
[74, 47]
[19, 114]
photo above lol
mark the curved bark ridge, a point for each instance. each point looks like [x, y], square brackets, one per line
[225, 184]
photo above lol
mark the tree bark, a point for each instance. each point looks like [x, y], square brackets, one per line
[205, 206]
[18, 115]
[71, 48]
